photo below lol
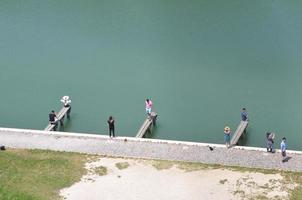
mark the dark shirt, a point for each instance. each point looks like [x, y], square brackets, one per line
[270, 138]
[52, 117]
[111, 124]
[244, 116]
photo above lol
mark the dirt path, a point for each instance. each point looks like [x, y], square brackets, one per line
[138, 179]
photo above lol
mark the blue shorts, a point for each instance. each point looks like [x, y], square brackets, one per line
[148, 110]
[227, 138]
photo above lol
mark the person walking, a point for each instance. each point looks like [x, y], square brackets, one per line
[227, 136]
[244, 115]
[53, 119]
[283, 148]
[149, 105]
[110, 122]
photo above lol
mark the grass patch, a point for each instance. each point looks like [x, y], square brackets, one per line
[265, 187]
[101, 171]
[259, 197]
[122, 165]
[296, 194]
[294, 177]
[92, 158]
[223, 181]
[36, 174]
[162, 164]
[39, 175]
[239, 192]
[191, 166]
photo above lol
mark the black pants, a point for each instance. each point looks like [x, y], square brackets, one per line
[111, 132]
[55, 125]
[68, 112]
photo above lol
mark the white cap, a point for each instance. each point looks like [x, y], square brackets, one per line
[65, 98]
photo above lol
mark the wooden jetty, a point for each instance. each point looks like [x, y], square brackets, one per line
[147, 125]
[60, 117]
[239, 131]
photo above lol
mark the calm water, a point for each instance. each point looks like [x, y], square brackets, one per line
[200, 61]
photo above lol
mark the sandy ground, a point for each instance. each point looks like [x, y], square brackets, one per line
[140, 180]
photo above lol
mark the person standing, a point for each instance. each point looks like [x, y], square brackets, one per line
[53, 119]
[283, 148]
[270, 141]
[148, 106]
[110, 122]
[227, 136]
[66, 102]
[244, 115]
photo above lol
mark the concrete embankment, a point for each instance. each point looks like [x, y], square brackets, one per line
[149, 148]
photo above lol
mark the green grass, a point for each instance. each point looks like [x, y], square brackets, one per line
[223, 181]
[260, 197]
[193, 166]
[162, 164]
[294, 177]
[36, 174]
[239, 192]
[296, 194]
[39, 175]
[122, 165]
[101, 171]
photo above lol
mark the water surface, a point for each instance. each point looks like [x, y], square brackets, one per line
[199, 61]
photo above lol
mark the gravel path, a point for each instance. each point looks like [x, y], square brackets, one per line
[148, 148]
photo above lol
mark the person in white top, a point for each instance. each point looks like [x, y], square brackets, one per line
[66, 101]
[148, 106]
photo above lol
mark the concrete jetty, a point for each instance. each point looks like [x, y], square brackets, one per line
[147, 125]
[60, 117]
[239, 131]
[149, 148]
[65, 111]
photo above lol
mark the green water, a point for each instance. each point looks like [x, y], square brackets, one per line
[200, 61]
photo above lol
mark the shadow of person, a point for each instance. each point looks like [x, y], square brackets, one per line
[273, 151]
[286, 159]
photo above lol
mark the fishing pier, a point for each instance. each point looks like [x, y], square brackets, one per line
[147, 125]
[241, 129]
[65, 111]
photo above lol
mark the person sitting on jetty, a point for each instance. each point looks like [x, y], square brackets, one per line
[53, 119]
[148, 106]
[270, 142]
[227, 136]
[244, 115]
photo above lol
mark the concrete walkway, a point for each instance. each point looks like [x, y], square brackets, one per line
[149, 148]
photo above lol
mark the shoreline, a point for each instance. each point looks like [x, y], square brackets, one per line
[253, 157]
[95, 135]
